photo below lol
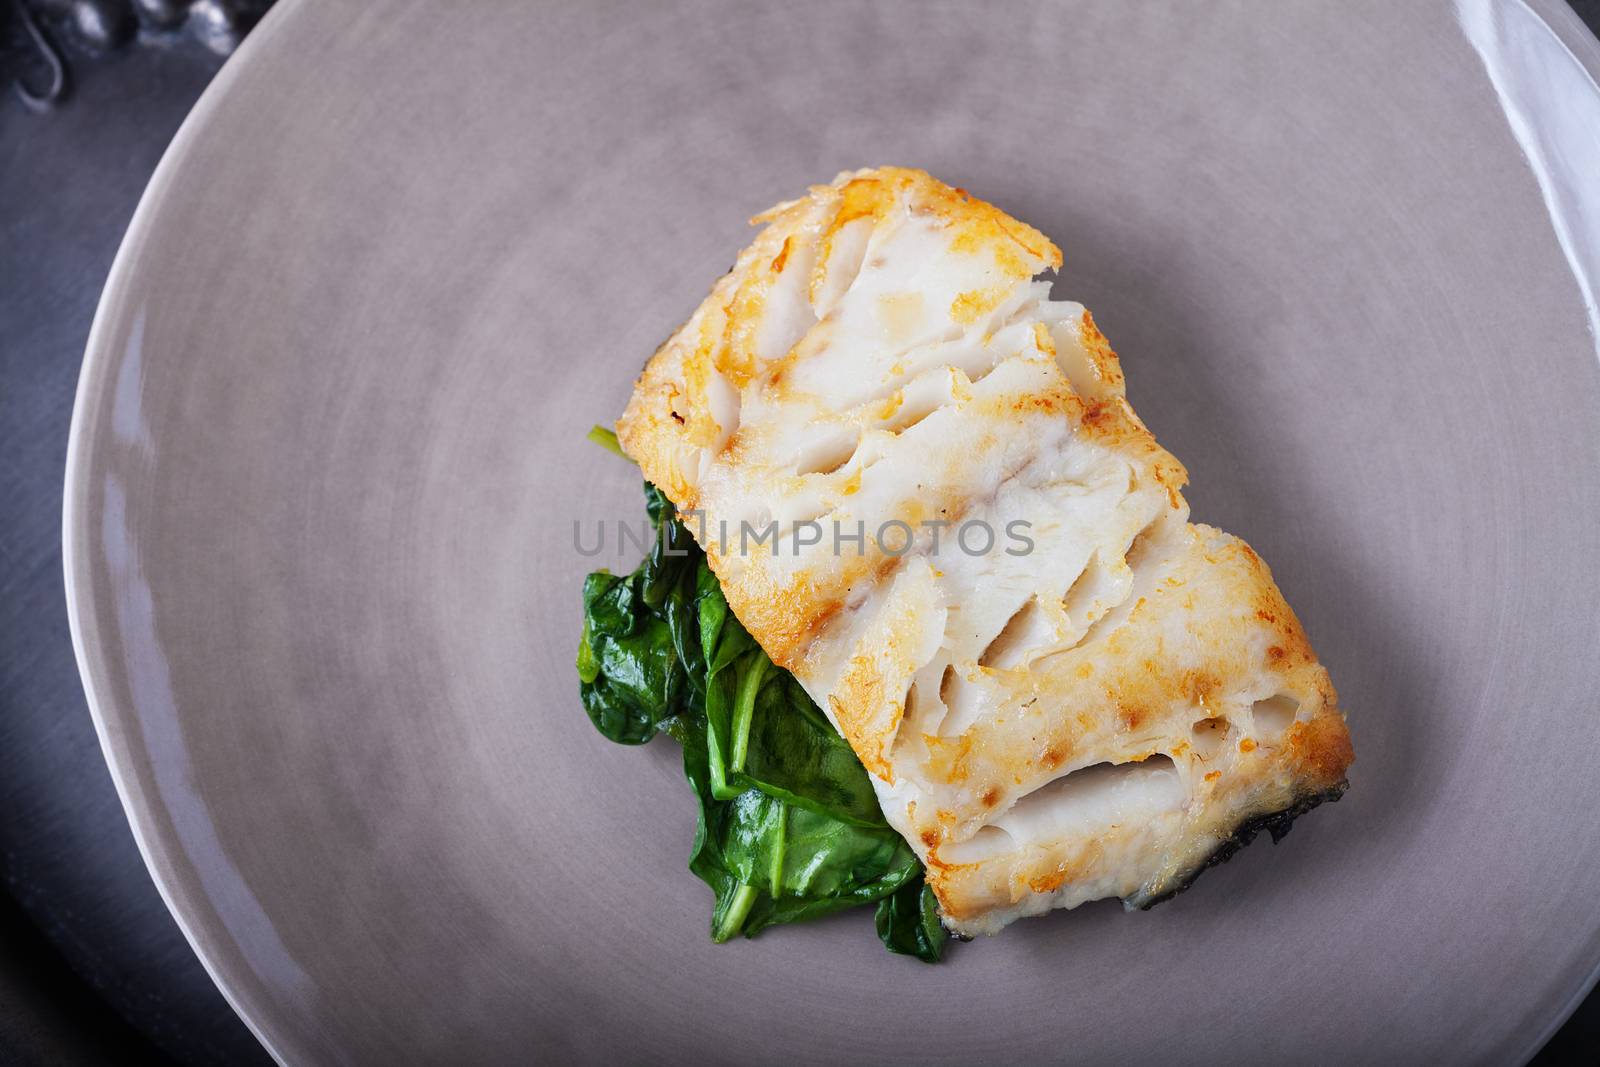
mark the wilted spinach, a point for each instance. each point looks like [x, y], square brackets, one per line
[764, 732]
[638, 656]
[908, 922]
[789, 827]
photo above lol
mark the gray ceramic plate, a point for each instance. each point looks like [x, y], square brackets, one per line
[329, 451]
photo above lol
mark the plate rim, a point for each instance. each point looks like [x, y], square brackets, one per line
[152, 830]
[82, 620]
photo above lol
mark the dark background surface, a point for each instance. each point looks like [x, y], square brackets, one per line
[92, 967]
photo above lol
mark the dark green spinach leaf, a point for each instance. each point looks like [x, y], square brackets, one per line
[789, 827]
[630, 677]
[766, 733]
[771, 862]
[908, 922]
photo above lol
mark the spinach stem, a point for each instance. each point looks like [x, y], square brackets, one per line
[744, 708]
[606, 439]
[738, 910]
[778, 849]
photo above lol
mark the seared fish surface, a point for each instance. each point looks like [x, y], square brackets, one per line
[1097, 716]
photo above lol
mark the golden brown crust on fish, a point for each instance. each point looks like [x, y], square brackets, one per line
[1095, 716]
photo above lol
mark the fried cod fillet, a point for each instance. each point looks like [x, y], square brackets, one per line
[1063, 689]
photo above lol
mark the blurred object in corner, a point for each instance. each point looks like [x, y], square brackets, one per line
[40, 39]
